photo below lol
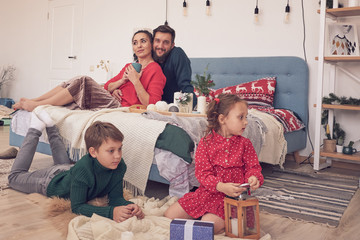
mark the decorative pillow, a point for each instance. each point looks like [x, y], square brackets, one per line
[287, 118]
[259, 92]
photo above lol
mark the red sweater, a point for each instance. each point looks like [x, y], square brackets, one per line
[152, 79]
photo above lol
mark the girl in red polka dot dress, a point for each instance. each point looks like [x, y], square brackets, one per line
[223, 161]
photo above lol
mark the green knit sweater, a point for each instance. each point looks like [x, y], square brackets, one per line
[87, 180]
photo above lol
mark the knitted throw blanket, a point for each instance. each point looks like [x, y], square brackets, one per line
[274, 147]
[140, 136]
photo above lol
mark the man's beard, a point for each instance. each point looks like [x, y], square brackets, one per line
[162, 58]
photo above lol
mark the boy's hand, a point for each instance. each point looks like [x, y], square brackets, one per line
[254, 183]
[121, 213]
[230, 189]
[136, 211]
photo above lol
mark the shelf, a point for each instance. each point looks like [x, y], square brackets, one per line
[343, 12]
[353, 157]
[341, 58]
[343, 107]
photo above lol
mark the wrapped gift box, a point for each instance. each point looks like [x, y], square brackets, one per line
[185, 229]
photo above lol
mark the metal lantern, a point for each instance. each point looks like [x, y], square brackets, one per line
[242, 217]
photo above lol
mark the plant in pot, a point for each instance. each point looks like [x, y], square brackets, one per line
[339, 135]
[202, 85]
[6, 75]
[329, 142]
[334, 143]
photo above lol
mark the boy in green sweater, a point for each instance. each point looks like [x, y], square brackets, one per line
[96, 174]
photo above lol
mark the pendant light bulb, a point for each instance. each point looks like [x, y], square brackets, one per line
[208, 13]
[184, 8]
[287, 13]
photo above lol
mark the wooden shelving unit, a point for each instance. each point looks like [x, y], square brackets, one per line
[323, 59]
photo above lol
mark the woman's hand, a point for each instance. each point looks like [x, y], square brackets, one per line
[230, 189]
[254, 183]
[132, 74]
[117, 94]
[115, 85]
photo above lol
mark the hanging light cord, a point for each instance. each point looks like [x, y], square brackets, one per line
[166, 22]
[287, 8]
[256, 11]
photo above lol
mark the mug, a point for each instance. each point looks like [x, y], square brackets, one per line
[137, 66]
[349, 150]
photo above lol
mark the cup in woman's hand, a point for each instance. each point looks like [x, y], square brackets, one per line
[137, 66]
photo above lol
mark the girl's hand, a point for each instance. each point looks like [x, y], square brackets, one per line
[254, 183]
[117, 94]
[121, 213]
[230, 189]
[132, 74]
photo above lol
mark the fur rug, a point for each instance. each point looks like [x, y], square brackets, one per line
[154, 226]
[5, 167]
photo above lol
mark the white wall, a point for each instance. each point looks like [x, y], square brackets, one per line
[108, 26]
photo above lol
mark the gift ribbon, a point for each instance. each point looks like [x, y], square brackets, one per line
[188, 229]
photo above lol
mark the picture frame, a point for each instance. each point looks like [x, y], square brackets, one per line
[342, 39]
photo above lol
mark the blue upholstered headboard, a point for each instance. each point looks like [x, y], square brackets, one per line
[292, 76]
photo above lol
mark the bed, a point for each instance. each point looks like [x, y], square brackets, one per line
[291, 93]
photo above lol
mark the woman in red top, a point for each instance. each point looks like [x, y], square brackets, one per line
[223, 161]
[127, 88]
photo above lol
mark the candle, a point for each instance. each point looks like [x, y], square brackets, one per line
[201, 104]
[234, 226]
[335, 3]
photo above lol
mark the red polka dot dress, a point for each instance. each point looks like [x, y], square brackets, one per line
[219, 159]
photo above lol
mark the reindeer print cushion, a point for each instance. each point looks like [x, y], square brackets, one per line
[258, 93]
[287, 118]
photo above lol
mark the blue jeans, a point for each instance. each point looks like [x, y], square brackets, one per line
[36, 182]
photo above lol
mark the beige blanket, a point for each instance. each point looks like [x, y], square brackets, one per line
[274, 146]
[138, 146]
[153, 226]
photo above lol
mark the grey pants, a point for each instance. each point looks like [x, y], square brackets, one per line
[36, 182]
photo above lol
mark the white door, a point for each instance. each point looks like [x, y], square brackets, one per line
[65, 31]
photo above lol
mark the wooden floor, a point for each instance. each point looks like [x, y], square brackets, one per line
[22, 219]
